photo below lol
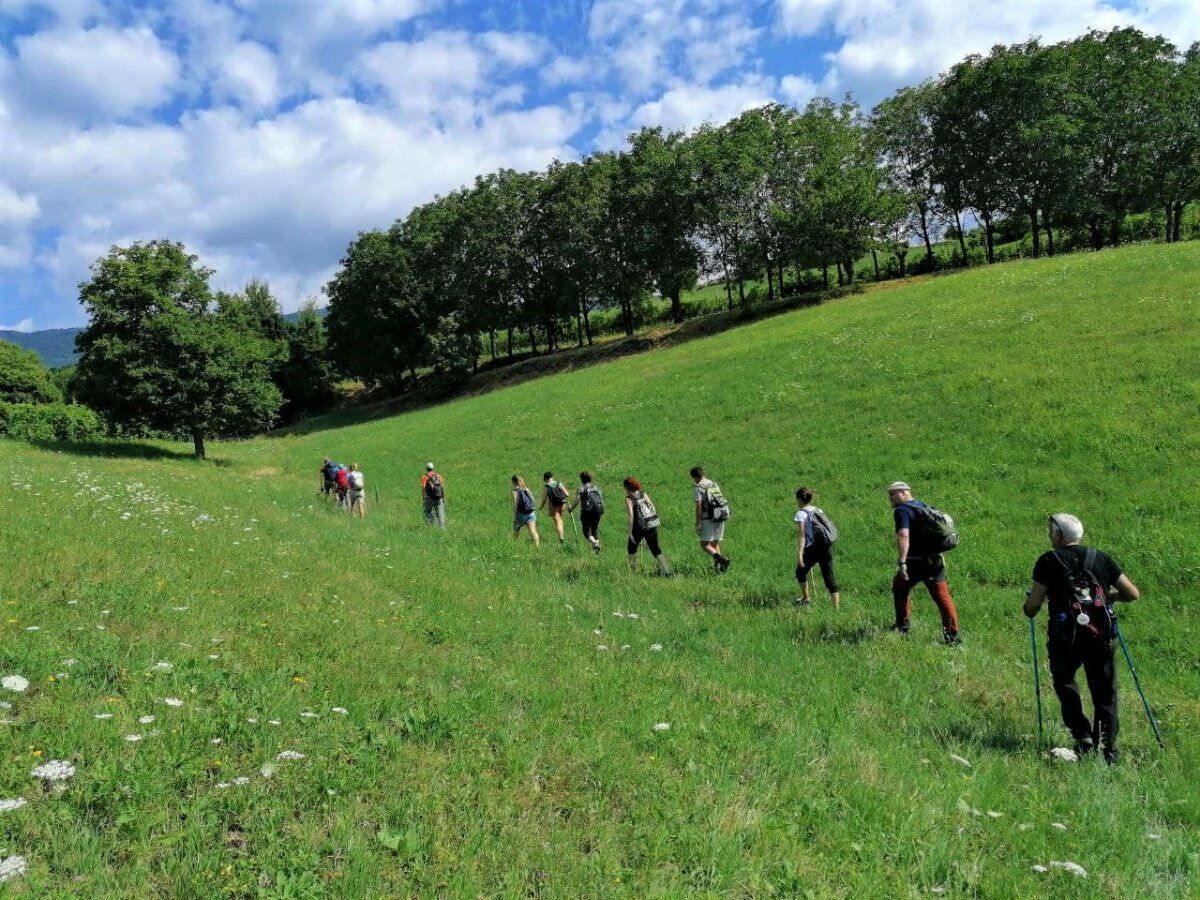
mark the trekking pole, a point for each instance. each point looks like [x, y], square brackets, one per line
[1037, 682]
[574, 527]
[1138, 684]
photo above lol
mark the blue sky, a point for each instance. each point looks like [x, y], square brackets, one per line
[266, 133]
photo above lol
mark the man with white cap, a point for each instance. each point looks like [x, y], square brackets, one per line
[914, 563]
[433, 496]
[1081, 583]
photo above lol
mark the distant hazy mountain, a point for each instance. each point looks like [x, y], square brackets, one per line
[56, 346]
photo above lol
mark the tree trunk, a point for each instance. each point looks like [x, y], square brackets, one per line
[492, 342]
[728, 286]
[875, 262]
[627, 311]
[741, 290]
[1097, 235]
[1114, 231]
[587, 324]
[780, 281]
[841, 277]
[1049, 233]
[825, 275]
[198, 444]
[532, 339]
[962, 241]
[1037, 237]
[1177, 234]
[849, 264]
[929, 264]
[510, 344]
[579, 327]
[770, 280]
[989, 237]
[676, 306]
[901, 257]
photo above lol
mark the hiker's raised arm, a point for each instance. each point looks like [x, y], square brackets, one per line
[1126, 589]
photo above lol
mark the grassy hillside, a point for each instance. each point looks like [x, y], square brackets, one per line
[491, 747]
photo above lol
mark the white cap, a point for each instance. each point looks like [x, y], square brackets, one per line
[1068, 527]
[428, 467]
[898, 486]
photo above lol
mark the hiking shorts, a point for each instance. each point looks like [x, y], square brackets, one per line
[520, 519]
[712, 532]
[929, 569]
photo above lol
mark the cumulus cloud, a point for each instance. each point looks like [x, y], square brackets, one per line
[17, 213]
[689, 105]
[94, 74]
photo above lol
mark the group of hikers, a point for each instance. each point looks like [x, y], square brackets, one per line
[346, 485]
[1080, 584]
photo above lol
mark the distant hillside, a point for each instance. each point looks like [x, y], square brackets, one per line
[56, 346]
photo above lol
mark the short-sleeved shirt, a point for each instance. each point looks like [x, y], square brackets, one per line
[550, 487]
[425, 479]
[1050, 571]
[801, 518]
[703, 486]
[906, 513]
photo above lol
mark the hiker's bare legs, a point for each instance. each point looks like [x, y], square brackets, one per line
[537, 541]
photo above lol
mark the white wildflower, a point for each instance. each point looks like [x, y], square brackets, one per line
[274, 722]
[662, 726]
[267, 771]
[10, 805]
[1073, 868]
[53, 770]
[992, 814]
[241, 779]
[222, 784]
[601, 647]
[253, 720]
[656, 648]
[34, 628]
[103, 716]
[179, 608]
[146, 720]
[4, 704]
[340, 710]
[215, 741]
[1040, 869]
[1065, 754]
[597, 631]
[624, 646]
[11, 867]
[308, 714]
[214, 656]
[1059, 825]
[133, 738]
[965, 763]
[162, 666]
[289, 754]
[173, 701]
[14, 683]
[632, 616]
[619, 614]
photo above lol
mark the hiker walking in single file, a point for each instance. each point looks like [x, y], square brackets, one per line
[433, 496]
[1081, 583]
[342, 486]
[555, 496]
[356, 486]
[524, 510]
[815, 537]
[643, 526]
[712, 512]
[328, 477]
[590, 501]
[923, 534]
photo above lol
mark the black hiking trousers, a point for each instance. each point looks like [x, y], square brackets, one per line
[1099, 666]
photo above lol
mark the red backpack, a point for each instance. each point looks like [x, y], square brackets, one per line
[343, 478]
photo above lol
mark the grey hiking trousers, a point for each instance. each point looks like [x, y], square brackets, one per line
[435, 512]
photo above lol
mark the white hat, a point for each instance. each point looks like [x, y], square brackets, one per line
[428, 467]
[898, 486]
[1069, 527]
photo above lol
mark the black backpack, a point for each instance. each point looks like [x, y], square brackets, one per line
[557, 493]
[525, 504]
[434, 488]
[591, 500]
[1090, 618]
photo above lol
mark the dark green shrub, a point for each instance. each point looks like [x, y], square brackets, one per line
[49, 422]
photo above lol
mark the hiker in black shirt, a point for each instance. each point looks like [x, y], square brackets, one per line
[1080, 633]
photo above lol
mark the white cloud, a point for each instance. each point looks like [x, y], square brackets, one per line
[95, 74]
[566, 70]
[247, 74]
[18, 212]
[24, 326]
[513, 49]
[884, 45]
[689, 105]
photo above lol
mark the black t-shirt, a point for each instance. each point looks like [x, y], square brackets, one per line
[1051, 571]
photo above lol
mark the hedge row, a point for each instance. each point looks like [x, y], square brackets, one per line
[49, 422]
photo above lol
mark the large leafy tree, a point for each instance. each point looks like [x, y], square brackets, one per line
[155, 354]
[23, 378]
[307, 377]
[902, 127]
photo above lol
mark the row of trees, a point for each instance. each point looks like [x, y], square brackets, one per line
[1070, 137]
[163, 354]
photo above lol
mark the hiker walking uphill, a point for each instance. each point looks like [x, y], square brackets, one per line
[923, 534]
[524, 510]
[1081, 584]
[342, 485]
[712, 512]
[328, 472]
[555, 495]
[643, 526]
[356, 485]
[590, 501]
[433, 496]
[815, 537]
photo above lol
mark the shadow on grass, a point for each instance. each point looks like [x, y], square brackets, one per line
[1005, 737]
[847, 635]
[118, 449]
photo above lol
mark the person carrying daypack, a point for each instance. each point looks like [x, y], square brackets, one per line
[1081, 584]
[643, 526]
[590, 502]
[555, 495]
[524, 510]
[328, 473]
[342, 485]
[923, 534]
[712, 512]
[356, 486]
[433, 496]
[815, 537]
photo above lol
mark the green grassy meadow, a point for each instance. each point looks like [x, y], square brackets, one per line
[491, 747]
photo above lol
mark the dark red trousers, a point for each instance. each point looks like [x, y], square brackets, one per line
[939, 590]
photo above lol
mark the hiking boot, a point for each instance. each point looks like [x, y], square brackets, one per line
[1085, 744]
[723, 564]
[802, 601]
[1111, 755]
[595, 548]
[951, 638]
[900, 628]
